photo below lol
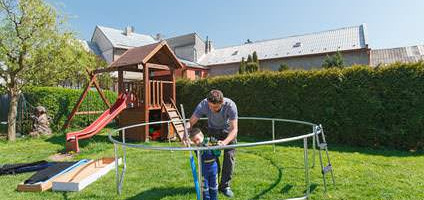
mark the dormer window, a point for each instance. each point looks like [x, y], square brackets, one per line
[298, 44]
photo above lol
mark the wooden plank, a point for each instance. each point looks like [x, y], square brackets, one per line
[173, 114]
[146, 79]
[157, 66]
[83, 176]
[130, 68]
[34, 187]
[121, 87]
[179, 127]
[46, 185]
[152, 85]
[161, 91]
[158, 93]
[174, 86]
[89, 112]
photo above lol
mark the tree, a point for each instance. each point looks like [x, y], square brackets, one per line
[251, 65]
[242, 68]
[35, 50]
[249, 58]
[335, 60]
[255, 67]
[283, 67]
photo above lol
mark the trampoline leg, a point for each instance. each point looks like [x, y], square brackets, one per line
[313, 146]
[116, 168]
[124, 150]
[273, 133]
[199, 172]
[306, 158]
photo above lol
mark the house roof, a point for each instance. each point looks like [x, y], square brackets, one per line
[92, 47]
[343, 39]
[120, 40]
[192, 64]
[158, 53]
[393, 55]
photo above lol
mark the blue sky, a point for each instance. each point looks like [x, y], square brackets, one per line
[390, 23]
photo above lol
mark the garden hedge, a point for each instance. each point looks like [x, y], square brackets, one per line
[60, 101]
[358, 106]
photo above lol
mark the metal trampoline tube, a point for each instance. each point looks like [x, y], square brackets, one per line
[120, 177]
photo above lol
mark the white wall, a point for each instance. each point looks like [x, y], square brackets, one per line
[305, 62]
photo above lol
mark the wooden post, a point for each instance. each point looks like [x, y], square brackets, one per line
[146, 79]
[154, 93]
[121, 88]
[79, 102]
[174, 86]
[102, 95]
[161, 92]
[158, 93]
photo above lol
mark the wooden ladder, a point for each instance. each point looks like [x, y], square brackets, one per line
[174, 115]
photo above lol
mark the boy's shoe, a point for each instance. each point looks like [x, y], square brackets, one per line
[227, 192]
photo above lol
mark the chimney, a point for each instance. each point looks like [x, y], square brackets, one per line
[208, 45]
[128, 30]
[158, 36]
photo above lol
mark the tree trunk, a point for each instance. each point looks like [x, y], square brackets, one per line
[11, 118]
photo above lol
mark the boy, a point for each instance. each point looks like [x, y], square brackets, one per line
[209, 159]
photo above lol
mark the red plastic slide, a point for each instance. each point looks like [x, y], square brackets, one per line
[95, 127]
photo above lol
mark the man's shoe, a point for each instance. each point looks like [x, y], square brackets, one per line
[227, 192]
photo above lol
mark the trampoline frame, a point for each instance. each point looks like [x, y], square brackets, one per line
[316, 130]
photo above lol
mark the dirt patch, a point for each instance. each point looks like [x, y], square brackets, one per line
[61, 157]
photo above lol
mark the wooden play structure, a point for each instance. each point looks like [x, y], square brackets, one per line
[146, 92]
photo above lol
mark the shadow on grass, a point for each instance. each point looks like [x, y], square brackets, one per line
[162, 192]
[277, 180]
[59, 139]
[341, 148]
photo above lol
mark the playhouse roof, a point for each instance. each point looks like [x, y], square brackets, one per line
[157, 53]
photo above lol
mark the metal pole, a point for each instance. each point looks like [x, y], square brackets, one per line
[328, 156]
[305, 147]
[273, 133]
[199, 196]
[314, 130]
[124, 161]
[199, 171]
[169, 139]
[320, 161]
[116, 168]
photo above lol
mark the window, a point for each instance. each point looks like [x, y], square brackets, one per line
[298, 44]
[198, 74]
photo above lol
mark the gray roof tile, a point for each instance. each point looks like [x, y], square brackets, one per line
[349, 38]
[393, 55]
[120, 40]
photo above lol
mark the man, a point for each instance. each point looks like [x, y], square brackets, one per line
[223, 125]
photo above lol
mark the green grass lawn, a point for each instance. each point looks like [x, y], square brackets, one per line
[260, 174]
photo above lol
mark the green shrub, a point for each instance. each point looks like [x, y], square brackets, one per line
[60, 101]
[335, 60]
[358, 106]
